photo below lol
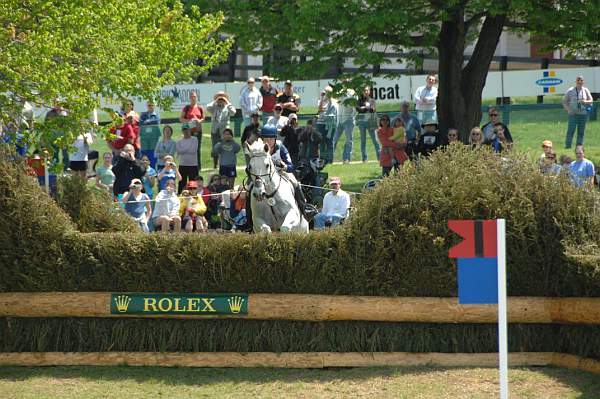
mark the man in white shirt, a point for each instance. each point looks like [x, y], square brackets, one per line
[277, 120]
[335, 206]
[425, 100]
[346, 116]
[250, 100]
[577, 102]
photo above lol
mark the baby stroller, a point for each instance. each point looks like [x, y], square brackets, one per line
[309, 173]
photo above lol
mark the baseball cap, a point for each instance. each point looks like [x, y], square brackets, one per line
[278, 106]
[185, 126]
[335, 180]
[293, 116]
[135, 182]
[288, 82]
[192, 184]
[547, 143]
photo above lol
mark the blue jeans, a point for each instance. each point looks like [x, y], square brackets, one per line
[326, 147]
[265, 117]
[321, 219]
[427, 116]
[576, 121]
[345, 127]
[363, 127]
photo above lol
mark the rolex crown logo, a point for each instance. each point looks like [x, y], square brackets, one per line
[122, 302]
[235, 304]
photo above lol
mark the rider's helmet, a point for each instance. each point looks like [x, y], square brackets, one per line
[268, 131]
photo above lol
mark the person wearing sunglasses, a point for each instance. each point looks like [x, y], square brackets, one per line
[488, 129]
[475, 138]
[548, 165]
[452, 135]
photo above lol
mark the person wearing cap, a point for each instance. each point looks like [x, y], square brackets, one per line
[327, 121]
[283, 162]
[222, 110]
[488, 129]
[577, 101]
[547, 149]
[137, 204]
[431, 139]
[277, 120]
[367, 122]
[166, 211]
[346, 119]
[289, 100]
[336, 204]
[426, 99]
[290, 137]
[250, 100]
[269, 97]
[187, 150]
[151, 116]
[226, 151]
[192, 209]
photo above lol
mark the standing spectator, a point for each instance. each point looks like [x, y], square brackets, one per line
[346, 115]
[500, 143]
[149, 179]
[105, 178]
[367, 122]
[137, 204]
[169, 172]
[251, 100]
[327, 121]
[431, 139]
[125, 135]
[392, 145]
[547, 149]
[426, 98]
[336, 204]
[289, 100]
[193, 115]
[222, 110]
[128, 111]
[277, 120]
[488, 129]
[582, 169]
[166, 146]
[476, 138]
[577, 101]
[226, 151]
[548, 165]
[126, 168]
[54, 117]
[308, 142]
[269, 97]
[290, 137]
[253, 129]
[151, 116]
[166, 210]
[78, 159]
[412, 126]
[452, 135]
[187, 148]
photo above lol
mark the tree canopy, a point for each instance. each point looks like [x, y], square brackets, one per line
[72, 52]
[303, 39]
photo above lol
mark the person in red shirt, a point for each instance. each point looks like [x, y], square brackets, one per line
[193, 115]
[269, 95]
[392, 146]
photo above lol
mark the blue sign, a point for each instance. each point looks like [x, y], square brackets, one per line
[548, 82]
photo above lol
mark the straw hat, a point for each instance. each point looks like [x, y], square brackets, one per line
[221, 94]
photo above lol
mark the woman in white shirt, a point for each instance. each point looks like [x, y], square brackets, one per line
[78, 159]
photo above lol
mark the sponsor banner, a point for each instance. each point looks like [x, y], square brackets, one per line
[548, 81]
[183, 304]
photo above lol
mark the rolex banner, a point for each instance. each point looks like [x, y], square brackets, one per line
[188, 304]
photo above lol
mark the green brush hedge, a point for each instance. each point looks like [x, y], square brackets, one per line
[92, 335]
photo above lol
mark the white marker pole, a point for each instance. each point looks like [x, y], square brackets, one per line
[502, 322]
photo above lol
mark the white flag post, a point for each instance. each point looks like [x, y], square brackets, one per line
[502, 322]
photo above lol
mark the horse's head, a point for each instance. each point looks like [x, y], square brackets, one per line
[260, 167]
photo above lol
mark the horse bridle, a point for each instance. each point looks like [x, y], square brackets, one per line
[270, 174]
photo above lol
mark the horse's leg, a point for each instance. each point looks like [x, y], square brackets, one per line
[259, 224]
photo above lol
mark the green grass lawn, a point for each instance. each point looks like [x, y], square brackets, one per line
[153, 382]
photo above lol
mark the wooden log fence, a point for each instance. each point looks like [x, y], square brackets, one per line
[325, 308]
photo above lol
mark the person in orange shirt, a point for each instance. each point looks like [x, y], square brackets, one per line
[393, 143]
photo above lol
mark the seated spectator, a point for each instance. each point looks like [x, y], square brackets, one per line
[431, 139]
[233, 205]
[192, 210]
[149, 179]
[335, 206]
[226, 150]
[452, 135]
[547, 148]
[169, 171]
[105, 177]
[137, 204]
[487, 130]
[475, 138]
[202, 190]
[165, 146]
[217, 184]
[393, 141]
[126, 168]
[549, 165]
[582, 169]
[151, 116]
[166, 211]
[500, 143]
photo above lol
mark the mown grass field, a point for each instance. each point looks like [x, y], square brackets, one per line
[150, 382]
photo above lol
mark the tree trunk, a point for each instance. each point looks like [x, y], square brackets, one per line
[460, 89]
